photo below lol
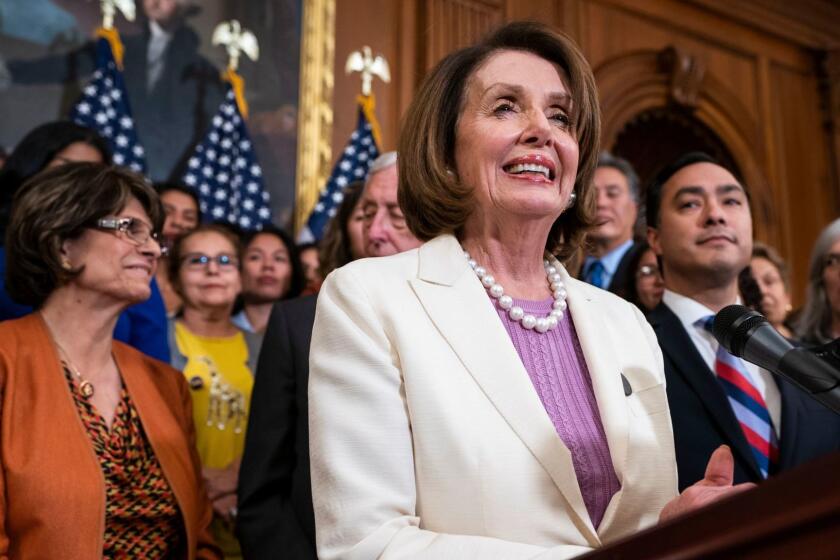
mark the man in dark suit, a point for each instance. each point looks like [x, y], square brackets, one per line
[275, 517]
[700, 226]
[617, 187]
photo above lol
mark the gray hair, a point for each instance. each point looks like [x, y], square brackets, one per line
[814, 324]
[606, 159]
[384, 161]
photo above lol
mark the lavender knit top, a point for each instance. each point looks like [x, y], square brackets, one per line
[556, 366]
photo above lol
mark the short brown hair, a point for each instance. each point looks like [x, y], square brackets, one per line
[58, 204]
[176, 254]
[431, 197]
[768, 253]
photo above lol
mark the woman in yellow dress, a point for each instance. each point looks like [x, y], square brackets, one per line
[217, 359]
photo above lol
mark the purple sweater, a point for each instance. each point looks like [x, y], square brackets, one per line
[556, 366]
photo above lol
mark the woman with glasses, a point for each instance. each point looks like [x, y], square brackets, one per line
[98, 456]
[218, 360]
[142, 326]
[819, 322]
[645, 287]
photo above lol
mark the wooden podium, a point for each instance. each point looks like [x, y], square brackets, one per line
[794, 515]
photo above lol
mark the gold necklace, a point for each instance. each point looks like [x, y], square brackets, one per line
[85, 386]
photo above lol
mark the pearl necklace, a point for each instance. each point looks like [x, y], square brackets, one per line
[516, 313]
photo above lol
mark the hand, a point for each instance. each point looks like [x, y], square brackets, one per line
[221, 482]
[716, 485]
[225, 507]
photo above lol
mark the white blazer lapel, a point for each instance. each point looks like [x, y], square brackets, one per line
[457, 303]
[605, 372]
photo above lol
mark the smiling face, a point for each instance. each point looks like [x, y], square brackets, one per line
[211, 285]
[705, 229]
[616, 209]
[266, 269]
[181, 215]
[114, 265]
[515, 144]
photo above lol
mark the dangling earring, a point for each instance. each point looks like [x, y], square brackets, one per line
[65, 264]
[572, 198]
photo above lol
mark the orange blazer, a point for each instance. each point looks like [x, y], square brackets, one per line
[52, 492]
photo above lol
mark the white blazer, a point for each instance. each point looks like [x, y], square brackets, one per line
[428, 439]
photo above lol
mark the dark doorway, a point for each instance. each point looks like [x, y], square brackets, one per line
[658, 136]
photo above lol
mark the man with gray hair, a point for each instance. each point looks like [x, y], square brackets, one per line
[275, 517]
[617, 188]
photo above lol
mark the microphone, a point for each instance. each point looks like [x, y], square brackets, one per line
[747, 334]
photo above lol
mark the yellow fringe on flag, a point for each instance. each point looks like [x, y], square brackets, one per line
[113, 38]
[368, 104]
[238, 83]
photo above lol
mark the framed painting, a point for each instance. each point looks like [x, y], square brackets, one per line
[172, 75]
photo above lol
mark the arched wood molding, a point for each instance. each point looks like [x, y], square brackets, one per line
[637, 81]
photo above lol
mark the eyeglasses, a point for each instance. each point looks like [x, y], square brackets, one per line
[647, 271]
[135, 230]
[198, 261]
[832, 262]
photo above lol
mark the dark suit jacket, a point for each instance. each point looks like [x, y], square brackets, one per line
[623, 274]
[275, 493]
[703, 419]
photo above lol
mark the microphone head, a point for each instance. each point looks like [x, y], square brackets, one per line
[734, 325]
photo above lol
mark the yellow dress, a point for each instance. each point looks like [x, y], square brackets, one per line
[221, 383]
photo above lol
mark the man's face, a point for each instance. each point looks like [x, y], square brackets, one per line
[705, 228]
[616, 208]
[162, 11]
[385, 231]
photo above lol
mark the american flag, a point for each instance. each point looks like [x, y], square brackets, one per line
[355, 161]
[226, 174]
[104, 108]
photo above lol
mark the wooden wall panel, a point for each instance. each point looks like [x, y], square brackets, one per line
[375, 23]
[803, 169]
[615, 31]
[449, 25]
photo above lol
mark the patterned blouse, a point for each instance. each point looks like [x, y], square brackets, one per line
[142, 519]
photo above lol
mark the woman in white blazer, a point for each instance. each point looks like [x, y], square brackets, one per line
[469, 399]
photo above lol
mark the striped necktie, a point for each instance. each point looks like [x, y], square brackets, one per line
[747, 403]
[595, 274]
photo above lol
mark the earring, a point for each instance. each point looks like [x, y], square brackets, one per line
[572, 198]
[65, 264]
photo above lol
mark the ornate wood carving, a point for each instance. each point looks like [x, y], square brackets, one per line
[635, 83]
[686, 72]
[315, 112]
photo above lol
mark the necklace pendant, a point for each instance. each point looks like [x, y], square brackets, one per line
[86, 388]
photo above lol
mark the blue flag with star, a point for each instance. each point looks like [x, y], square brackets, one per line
[104, 108]
[225, 172]
[353, 165]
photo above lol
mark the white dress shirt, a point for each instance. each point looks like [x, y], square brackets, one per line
[158, 41]
[689, 311]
